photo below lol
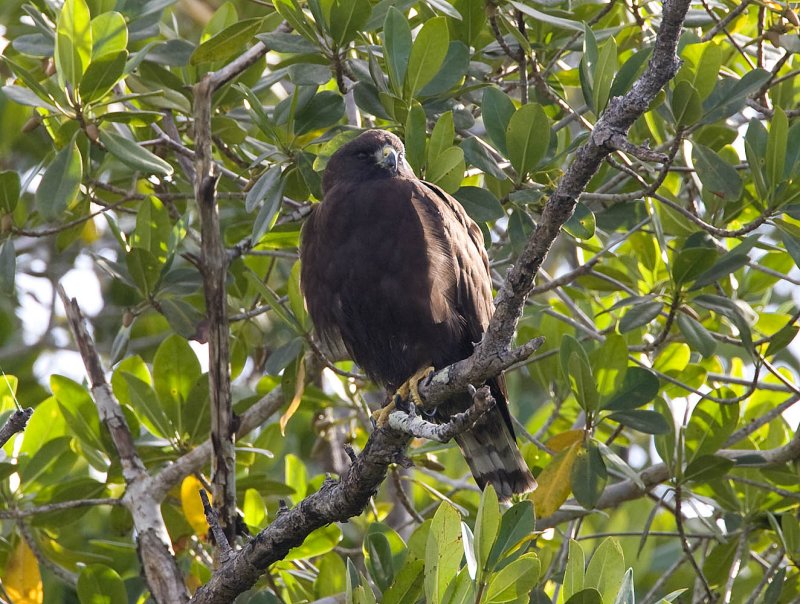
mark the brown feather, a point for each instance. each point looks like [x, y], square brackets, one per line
[395, 271]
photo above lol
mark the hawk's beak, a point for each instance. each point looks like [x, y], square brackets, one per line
[389, 159]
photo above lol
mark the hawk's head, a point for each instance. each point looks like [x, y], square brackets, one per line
[373, 154]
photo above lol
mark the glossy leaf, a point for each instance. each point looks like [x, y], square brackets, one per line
[589, 476]
[443, 552]
[527, 138]
[9, 190]
[227, 43]
[427, 54]
[134, 155]
[102, 75]
[639, 387]
[73, 49]
[60, 184]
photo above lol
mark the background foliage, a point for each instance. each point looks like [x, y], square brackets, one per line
[669, 328]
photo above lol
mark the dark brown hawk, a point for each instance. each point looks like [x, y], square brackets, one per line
[395, 270]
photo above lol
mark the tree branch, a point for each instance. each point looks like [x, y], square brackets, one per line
[153, 543]
[14, 424]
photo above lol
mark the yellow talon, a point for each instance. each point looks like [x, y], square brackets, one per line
[413, 384]
[381, 416]
[408, 390]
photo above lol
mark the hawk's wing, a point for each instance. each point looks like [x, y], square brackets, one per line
[489, 447]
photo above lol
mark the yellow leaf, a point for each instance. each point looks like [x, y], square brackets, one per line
[193, 506]
[554, 482]
[299, 386]
[566, 439]
[22, 580]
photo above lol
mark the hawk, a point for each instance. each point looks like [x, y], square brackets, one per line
[393, 269]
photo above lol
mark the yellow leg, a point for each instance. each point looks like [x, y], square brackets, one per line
[408, 390]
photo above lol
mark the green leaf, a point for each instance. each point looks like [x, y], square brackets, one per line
[689, 263]
[586, 596]
[228, 43]
[331, 580]
[516, 526]
[640, 315]
[472, 23]
[443, 166]
[729, 263]
[589, 476]
[717, 176]
[9, 191]
[144, 400]
[574, 574]
[480, 204]
[415, 139]
[604, 71]
[781, 339]
[60, 184]
[397, 47]
[320, 541]
[729, 95]
[145, 270]
[477, 153]
[131, 154]
[289, 43]
[687, 107]
[451, 73]
[718, 562]
[697, 336]
[527, 137]
[629, 71]
[707, 73]
[323, 110]
[347, 18]
[707, 467]
[81, 416]
[175, 372]
[441, 137]
[709, 427]
[109, 34]
[153, 229]
[558, 22]
[296, 476]
[514, 581]
[443, 552]
[755, 146]
[8, 267]
[487, 523]
[99, 584]
[639, 387]
[101, 76]
[427, 54]
[570, 345]
[378, 559]
[776, 151]
[407, 585]
[730, 310]
[609, 364]
[581, 224]
[649, 422]
[497, 108]
[606, 569]
[73, 49]
[582, 382]
[461, 589]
